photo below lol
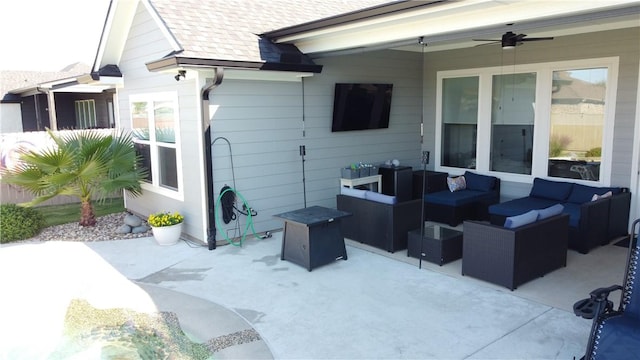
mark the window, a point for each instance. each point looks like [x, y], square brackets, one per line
[538, 120]
[512, 118]
[155, 132]
[459, 119]
[577, 123]
[86, 114]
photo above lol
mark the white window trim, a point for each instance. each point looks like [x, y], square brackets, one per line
[155, 186]
[86, 119]
[542, 116]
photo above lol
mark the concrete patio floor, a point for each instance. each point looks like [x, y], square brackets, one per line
[375, 305]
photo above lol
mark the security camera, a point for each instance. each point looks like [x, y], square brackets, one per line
[181, 73]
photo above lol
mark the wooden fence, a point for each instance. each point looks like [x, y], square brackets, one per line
[11, 145]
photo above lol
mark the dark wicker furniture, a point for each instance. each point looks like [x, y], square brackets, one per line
[440, 245]
[591, 223]
[384, 226]
[433, 181]
[469, 204]
[511, 257]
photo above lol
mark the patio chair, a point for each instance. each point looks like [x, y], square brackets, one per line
[615, 333]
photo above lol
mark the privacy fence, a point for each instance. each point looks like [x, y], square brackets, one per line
[13, 144]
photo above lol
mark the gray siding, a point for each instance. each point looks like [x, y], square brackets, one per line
[623, 43]
[267, 121]
[145, 43]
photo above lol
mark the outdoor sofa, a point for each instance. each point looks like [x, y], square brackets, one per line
[512, 256]
[597, 215]
[467, 202]
[378, 220]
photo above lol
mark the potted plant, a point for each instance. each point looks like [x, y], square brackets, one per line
[166, 227]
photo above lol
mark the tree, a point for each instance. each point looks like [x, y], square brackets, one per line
[84, 164]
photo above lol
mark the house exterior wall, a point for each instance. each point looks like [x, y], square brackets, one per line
[593, 45]
[145, 43]
[266, 122]
[11, 118]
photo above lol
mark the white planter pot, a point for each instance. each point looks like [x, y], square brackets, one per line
[167, 235]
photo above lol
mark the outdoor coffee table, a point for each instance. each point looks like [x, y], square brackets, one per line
[313, 236]
[440, 244]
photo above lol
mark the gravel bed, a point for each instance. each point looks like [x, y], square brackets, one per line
[105, 229]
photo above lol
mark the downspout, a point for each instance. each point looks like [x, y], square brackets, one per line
[208, 158]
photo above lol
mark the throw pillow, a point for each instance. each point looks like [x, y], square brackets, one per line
[456, 183]
[513, 222]
[550, 211]
[598, 197]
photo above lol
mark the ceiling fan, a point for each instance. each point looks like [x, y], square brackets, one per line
[510, 40]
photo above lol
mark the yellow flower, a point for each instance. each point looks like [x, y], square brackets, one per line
[165, 219]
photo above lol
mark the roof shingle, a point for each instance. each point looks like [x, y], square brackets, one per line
[229, 29]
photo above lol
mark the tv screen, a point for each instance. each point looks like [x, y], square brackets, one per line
[361, 106]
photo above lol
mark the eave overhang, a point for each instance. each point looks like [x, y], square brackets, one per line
[447, 25]
[175, 62]
[351, 17]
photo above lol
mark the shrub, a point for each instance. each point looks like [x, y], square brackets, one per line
[557, 144]
[19, 223]
[595, 152]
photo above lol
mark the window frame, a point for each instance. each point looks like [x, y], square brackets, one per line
[542, 118]
[85, 111]
[154, 145]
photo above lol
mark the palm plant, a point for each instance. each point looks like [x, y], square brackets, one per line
[85, 164]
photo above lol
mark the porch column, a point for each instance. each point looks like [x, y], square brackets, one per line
[51, 101]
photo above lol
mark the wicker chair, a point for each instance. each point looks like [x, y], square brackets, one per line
[511, 257]
[615, 334]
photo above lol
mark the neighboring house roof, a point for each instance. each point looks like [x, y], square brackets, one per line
[12, 83]
[579, 91]
[227, 32]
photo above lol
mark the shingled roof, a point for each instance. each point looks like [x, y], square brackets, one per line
[228, 30]
[17, 80]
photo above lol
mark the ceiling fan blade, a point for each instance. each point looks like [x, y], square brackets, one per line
[537, 39]
[494, 42]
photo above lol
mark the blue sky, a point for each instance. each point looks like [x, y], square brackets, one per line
[47, 35]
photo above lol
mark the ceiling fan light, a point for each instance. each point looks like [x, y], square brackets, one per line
[508, 47]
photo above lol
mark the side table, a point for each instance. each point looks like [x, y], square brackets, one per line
[440, 244]
[374, 179]
[312, 236]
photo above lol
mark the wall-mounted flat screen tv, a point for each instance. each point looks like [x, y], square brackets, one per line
[361, 106]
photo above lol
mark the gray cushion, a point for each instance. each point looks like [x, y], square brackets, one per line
[381, 198]
[513, 222]
[357, 193]
[550, 211]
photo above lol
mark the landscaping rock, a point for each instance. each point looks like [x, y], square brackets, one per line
[132, 220]
[140, 229]
[124, 229]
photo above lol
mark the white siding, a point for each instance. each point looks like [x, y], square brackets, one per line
[10, 118]
[146, 43]
[624, 44]
[264, 122]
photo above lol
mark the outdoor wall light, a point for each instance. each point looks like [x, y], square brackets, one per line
[181, 73]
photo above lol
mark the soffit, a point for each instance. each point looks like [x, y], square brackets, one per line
[453, 24]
